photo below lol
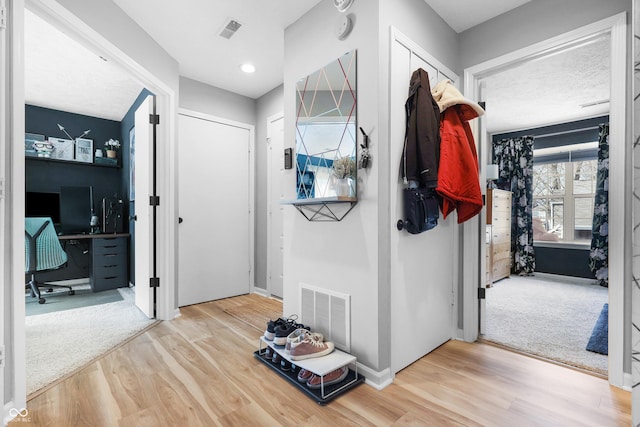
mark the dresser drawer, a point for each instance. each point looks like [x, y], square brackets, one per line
[109, 246]
[109, 259]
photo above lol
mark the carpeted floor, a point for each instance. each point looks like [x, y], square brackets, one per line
[546, 318]
[60, 300]
[60, 342]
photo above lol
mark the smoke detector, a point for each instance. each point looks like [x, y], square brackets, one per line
[342, 5]
[230, 27]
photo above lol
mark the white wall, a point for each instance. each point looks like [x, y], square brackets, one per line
[267, 105]
[353, 256]
[217, 102]
[338, 256]
[531, 23]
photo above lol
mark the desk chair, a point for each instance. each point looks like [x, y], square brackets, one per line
[42, 252]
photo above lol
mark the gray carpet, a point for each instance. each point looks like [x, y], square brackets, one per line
[546, 318]
[60, 300]
[60, 342]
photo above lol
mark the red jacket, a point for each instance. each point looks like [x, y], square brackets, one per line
[458, 177]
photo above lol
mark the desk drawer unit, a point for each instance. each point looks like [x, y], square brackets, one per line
[109, 263]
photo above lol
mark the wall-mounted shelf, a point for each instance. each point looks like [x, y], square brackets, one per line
[324, 208]
[72, 162]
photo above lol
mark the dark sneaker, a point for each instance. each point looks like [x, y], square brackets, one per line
[284, 330]
[332, 377]
[304, 375]
[312, 346]
[276, 358]
[268, 353]
[270, 332]
[285, 365]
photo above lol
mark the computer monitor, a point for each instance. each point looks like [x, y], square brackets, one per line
[41, 204]
[75, 210]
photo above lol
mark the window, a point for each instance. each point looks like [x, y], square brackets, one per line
[563, 195]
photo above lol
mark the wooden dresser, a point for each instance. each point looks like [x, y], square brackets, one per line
[499, 237]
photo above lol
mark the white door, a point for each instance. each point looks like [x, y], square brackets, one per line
[144, 294]
[214, 206]
[275, 194]
[423, 265]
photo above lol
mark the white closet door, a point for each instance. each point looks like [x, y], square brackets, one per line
[214, 192]
[423, 266]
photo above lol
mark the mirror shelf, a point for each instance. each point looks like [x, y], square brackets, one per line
[324, 208]
[326, 136]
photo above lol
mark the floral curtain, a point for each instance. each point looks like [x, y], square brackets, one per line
[514, 157]
[599, 254]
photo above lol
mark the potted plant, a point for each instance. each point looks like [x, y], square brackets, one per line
[112, 147]
[344, 170]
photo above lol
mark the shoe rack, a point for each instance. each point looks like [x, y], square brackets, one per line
[318, 365]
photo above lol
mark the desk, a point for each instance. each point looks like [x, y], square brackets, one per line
[108, 259]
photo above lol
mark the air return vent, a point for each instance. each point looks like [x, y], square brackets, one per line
[230, 28]
[327, 312]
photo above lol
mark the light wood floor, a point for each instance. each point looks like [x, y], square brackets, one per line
[199, 370]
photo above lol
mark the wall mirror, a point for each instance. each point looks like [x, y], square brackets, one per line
[326, 131]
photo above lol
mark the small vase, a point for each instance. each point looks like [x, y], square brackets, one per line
[111, 154]
[343, 189]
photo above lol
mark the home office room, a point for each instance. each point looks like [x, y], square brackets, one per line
[80, 186]
[257, 306]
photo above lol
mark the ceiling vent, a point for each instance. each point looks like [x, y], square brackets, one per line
[230, 28]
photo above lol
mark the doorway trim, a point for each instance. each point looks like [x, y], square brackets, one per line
[270, 256]
[619, 175]
[167, 220]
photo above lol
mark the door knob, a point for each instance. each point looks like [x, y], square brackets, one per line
[133, 218]
[180, 220]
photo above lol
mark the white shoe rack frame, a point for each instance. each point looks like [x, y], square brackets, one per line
[320, 366]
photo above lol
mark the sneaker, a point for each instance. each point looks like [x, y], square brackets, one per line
[268, 353]
[304, 375]
[285, 365]
[283, 331]
[296, 336]
[332, 377]
[312, 346]
[270, 332]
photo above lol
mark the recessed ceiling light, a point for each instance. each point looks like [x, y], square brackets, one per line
[248, 68]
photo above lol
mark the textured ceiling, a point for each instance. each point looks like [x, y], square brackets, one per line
[570, 85]
[63, 75]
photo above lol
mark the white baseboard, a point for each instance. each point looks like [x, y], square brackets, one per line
[261, 292]
[627, 382]
[375, 379]
[177, 313]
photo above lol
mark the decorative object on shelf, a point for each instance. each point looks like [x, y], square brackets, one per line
[84, 150]
[67, 133]
[99, 153]
[62, 148]
[43, 148]
[29, 140]
[344, 170]
[112, 147]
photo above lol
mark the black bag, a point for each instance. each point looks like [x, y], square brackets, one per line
[420, 209]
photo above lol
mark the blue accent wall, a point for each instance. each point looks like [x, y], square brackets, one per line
[49, 176]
